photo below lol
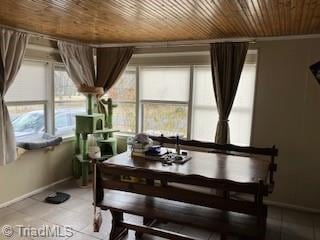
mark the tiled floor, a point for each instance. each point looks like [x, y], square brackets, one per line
[77, 213]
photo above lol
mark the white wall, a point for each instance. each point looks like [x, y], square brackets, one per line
[287, 113]
[34, 170]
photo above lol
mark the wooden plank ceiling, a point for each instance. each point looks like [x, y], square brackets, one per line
[119, 21]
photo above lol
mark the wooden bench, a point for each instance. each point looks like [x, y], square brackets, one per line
[224, 222]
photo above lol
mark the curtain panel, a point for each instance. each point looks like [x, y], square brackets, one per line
[79, 62]
[12, 49]
[227, 60]
[111, 62]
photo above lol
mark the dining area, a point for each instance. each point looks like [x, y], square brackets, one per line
[219, 188]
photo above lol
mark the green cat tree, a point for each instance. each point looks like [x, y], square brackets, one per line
[98, 124]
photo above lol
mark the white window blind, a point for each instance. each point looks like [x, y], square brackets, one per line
[242, 110]
[30, 83]
[164, 83]
[204, 114]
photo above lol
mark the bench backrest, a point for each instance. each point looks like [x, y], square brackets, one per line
[271, 151]
[232, 149]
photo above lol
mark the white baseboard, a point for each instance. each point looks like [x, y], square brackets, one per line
[33, 192]
[291, 206]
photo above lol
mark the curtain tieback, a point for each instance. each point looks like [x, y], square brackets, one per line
[224, 120]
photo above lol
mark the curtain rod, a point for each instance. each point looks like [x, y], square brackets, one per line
[182, 43]
[41, 35]
[206, 42]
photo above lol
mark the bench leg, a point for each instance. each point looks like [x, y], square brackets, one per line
[117, 231]
[148, 222]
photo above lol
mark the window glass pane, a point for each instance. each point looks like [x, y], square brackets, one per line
[166, 119]
[124, 117]
[68, 103]
[65, 117]
[28, 121]
[164, 83]
[31, 76]
[125, 88]
[64, 88]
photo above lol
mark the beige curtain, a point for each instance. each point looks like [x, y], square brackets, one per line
[79, 63]
[111, 62]
[12, 49]
[227, 60]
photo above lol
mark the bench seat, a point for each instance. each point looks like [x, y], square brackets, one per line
[224, 222]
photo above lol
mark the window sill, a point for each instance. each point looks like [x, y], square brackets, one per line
[118, 135]
[124, 135]
[69, 138]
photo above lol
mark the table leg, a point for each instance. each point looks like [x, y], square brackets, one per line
[85, 173]
[147, 221]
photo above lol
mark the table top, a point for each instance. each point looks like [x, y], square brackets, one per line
[208, 165]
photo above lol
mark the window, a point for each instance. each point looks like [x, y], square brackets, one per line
[123, 93]
[176, 99]
[68, 103]
[168, 94]
[27, 107]
[164, 96]
[205, 115]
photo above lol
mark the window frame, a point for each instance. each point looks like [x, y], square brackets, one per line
[187, 103]
[46, 103]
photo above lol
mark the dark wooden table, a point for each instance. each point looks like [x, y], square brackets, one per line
[219, 171]
[207, 165]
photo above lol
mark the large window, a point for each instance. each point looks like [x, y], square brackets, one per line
[173, 99]
[205, 115]
[27, 101]
[36, 108]
[164, 96]
[168, 94]
[123, 94]
[68, 103]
